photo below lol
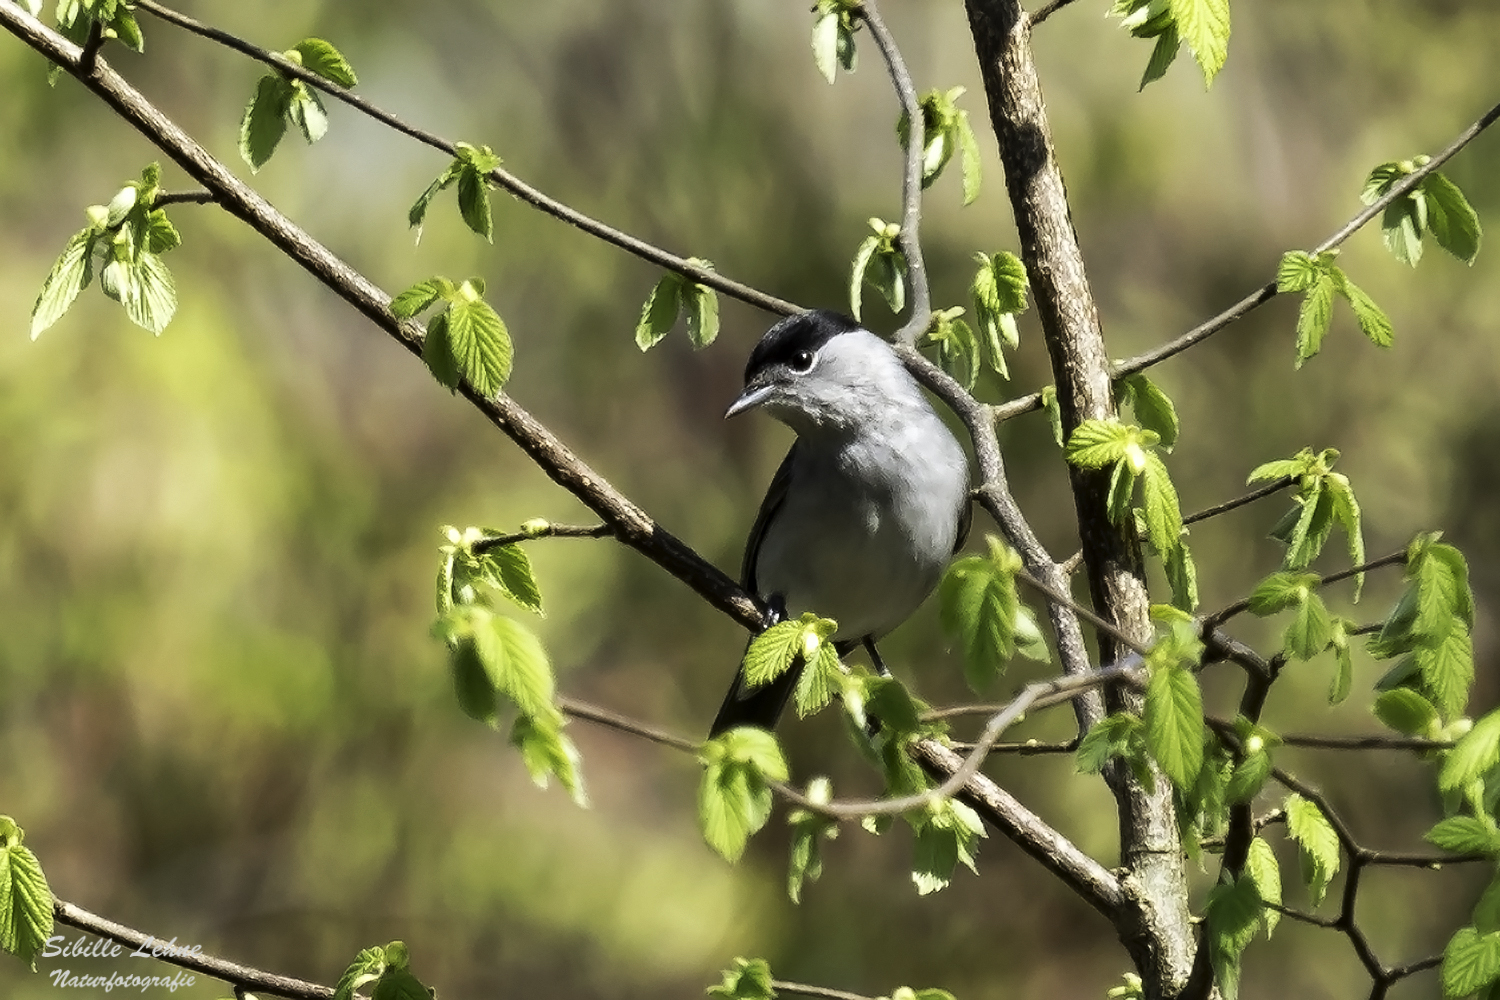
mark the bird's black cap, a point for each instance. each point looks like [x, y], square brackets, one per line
[807, 331]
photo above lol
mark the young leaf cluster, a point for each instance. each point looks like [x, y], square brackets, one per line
[1312, 628]
[466, 340]
[25, 899]
[280, 100]
[125, 240]
[734, 797]
[381, 974]
[809, 830]
[1429, 629]
[116, 19]
[834, 25]
[983, 613]
[880, 263]
[1129, 452]
[1435, 206]
[999, 294]
[673, 295]
[1202, 24]
[1324, 497]
[1236, 910]
[945, 128]
[805, 645]
[470, 170]
[1153, 409]
[496, 662]
[1320, 279]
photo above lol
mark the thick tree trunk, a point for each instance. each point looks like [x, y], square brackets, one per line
[1157, 928]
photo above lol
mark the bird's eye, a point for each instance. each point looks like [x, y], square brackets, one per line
[802, 361]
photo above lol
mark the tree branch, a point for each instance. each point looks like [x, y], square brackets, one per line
[1046, 11]
[911, 176]
[239, 976]
[545, 531]
[503, 178]
[822, 992]
[1248, 498]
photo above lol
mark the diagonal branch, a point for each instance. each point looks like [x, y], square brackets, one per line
[504, 178]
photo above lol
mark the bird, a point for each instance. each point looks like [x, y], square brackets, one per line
[866, 510]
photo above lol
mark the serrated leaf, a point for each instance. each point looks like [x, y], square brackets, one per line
[968, 150]
[702, 315]
[416, 299]
[399, 984]
[1153, 409]
[71, 274]
[323, 59]
[734, 798]
[161, 235]
[1448, 670]
[862, 258]
[1470, 962]
[517, 665]
[1182, 574]
[481, 345]
[747, 979]
[516, 577]
[977, 606]
[1466, 835]
[1281, 591]
[1401, 227]
[1163, 55]
[887, 275]
[1310, 630]
[365, 969]
[1204, 26]
[1097, 443]
[1346, 511]
[1174, 723]
[1307, 825]
[1313, 526]
[1249, 777]
[1110, 737]
[1265, 872]
[820, 681]
[307, 112]
[772, 653]
[1450, 218]
[474, 203]
[128, 29]
[945, 837]
[1406, 711]
[25, 899]
[1314, 318]
[1163, 513]
[264, 122]
[437, 352]
[1373, 321]
[547, 752]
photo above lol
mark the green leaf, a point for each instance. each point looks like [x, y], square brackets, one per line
[702, 316]
[1470, 962]
[734, 798]
[968, 151]
[1451, 219]
[809, 830]
[416, 298]
[25, 898]
[660, 310]
[398, 984]
[1311, 629]
[1174, 723]
[1163, 514]
[515, 576]
[1280, 591]
[154, 301]
[821, 679]
[306, 111]
[515, 662]
[1153, 409]
[1466, 835]
[1406, 711]
[1110, 737]
[978, 606]
[1487, 910]
[70, 275]
[437, 352]
[825, 45]
[1343, 678]
[747, 979]
[862, 258]
[1346, 511]
[1054, 412]
[161, 235]
[323, 59]
[887, 275]
[1319, 843]
[264, 122]
[481, 345]
[1204, 26]
[1249, 777]
[773, 652]
[1182, 574]
[1475, 753]
[947, 835]
[1163, 54]
[128, 30]
[365, 969]
[1097, 443]
[1448, 670]
[417, 214]
[1401, 227]
[1314, 318]
[1265, 872]
[1373, 321]
[474, 202]
[1313, 525]
[547, 752]
[1234, 914]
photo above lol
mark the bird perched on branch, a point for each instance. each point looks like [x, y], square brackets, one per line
[869, 504]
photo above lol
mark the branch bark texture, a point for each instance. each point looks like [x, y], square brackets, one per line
[1155, 926]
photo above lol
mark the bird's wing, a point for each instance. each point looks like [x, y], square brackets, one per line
[774, 498]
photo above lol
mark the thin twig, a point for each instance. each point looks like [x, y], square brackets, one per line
[823, 992]
[216, 968]
[1039, 694]
[506, 180]
[1104, 625]
[1241, 606]
[911, 177]
[184, 198]
[1266, 293]
[1315, 742]
[1248, 498]
[548, 531]
[625, 724]
[1047, 11]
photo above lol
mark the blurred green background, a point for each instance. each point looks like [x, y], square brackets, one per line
[223, 717]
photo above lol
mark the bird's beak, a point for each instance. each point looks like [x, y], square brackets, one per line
[752, 397]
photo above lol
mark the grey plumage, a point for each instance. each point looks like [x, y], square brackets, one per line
[869, 504]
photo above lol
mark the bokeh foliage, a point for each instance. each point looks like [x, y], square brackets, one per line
[228, 719]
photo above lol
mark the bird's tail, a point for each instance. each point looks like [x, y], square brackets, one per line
[759, 706]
